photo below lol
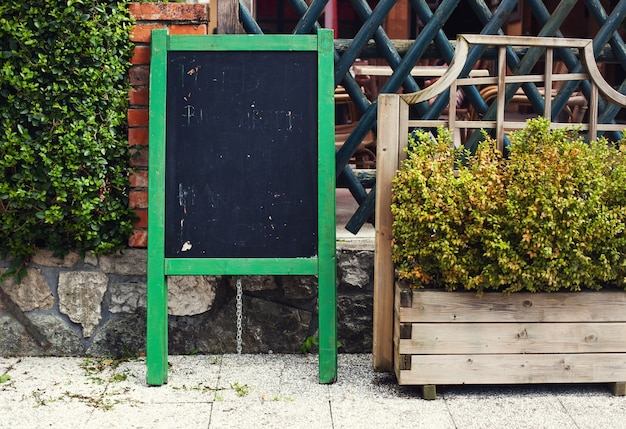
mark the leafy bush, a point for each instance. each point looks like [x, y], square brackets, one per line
[550, 217]
[64, 157]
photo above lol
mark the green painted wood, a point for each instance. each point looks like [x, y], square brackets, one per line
[156, 337]
[228, 42]
[327, 290]
[235, 266]
[323, 265]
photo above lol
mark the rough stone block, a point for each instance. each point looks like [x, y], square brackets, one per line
[189, 295]
[355, 269]
[120, 336]
[80, 298]
[127, 297]
[33, 293]
[47, 259]
[254, 283]
[354, 322]
[131, 262]
[266, 326]
[16, 341]
[299, 287]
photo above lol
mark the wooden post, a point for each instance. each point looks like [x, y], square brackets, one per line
[386, 166]
[156, 337]
[228, 16]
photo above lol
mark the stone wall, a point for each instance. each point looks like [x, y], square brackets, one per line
[97, 306]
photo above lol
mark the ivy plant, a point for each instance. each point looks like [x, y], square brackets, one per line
[64, 156]
[550, 217]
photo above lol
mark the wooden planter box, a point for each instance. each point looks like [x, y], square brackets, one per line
[460, 338]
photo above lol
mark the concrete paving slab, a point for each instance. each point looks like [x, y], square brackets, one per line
[280, 413]
[58, 414]
[356, 378]
[270, 391]
[153, 416]
[375, 413]
[6, 363]
[190, 380]
[503, 406]
[278, 391]
[300, 380]
[597, 409]
[39, 381]
[249, 378]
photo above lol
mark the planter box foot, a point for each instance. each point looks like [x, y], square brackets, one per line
[429, 392]
[618, 389]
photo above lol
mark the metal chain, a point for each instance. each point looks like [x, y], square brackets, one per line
[239, 314]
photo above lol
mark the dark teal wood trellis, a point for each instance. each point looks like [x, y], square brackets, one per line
[433, 42]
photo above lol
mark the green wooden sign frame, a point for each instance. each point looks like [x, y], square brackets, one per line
[323, 265]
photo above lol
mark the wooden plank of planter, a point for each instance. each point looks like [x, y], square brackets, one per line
[461, 307]
[390, 122]
[510, 338]
[514, 369]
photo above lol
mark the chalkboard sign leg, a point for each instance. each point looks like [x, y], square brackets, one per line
[327, 297]
[156, 338]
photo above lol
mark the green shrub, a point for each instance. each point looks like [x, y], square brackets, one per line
[64, 156]
[550, 217]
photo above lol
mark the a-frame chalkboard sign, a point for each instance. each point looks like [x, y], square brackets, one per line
[241, 169]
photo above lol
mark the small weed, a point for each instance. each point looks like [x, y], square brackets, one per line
[39, 398]
[241, 390]
[96, 367]
[311, 343]
[199, 387]
[118, 377]
[95, 402]
[4, 378]
[276, 398]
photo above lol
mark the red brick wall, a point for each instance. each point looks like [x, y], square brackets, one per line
[178, 18]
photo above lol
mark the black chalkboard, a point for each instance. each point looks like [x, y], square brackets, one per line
[241, 154]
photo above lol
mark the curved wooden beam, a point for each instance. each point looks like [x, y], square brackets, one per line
[444, 82]
[588, 59]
